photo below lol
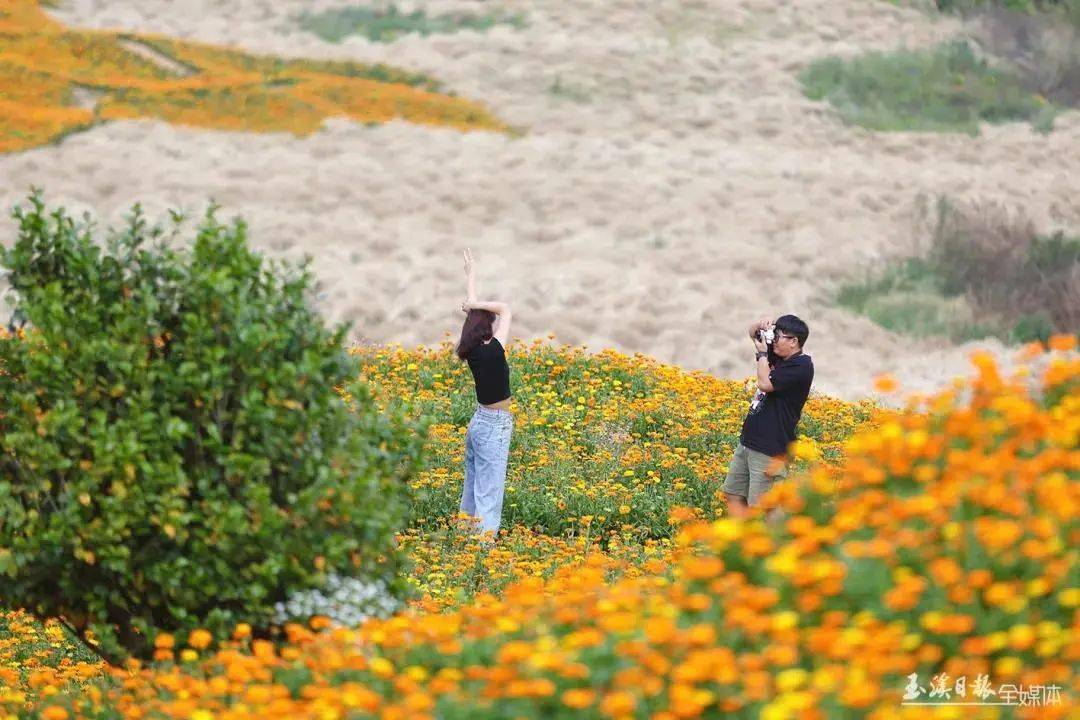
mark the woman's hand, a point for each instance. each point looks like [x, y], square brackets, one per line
[470, 278]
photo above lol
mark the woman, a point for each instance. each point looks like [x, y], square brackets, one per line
[487, 443]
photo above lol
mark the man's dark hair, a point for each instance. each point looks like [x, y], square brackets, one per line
[792, 325]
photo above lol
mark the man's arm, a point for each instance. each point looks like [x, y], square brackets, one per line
[764, 382]
[763, 368]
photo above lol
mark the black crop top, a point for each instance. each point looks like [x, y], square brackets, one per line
[490, 372]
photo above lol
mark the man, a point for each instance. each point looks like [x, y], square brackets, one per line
[784, 376]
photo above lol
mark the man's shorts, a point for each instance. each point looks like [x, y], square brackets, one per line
[751, 474]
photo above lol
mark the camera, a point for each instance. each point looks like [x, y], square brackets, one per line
[766, 336]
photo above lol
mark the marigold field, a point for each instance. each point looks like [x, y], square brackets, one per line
[938, 538]
[44, 66]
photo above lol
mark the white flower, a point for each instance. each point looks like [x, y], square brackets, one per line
[344, 600]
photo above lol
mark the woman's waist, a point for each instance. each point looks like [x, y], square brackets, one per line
[494, 410]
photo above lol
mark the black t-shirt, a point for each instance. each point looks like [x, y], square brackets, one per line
[769, 426]
[490, 372]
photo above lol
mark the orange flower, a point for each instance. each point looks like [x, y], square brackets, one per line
[1062, 343]
[618, 703]
[200, 639]
[660, 630]
[578, 698]
[886, 383]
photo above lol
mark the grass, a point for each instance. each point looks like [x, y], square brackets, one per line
[1038, 39]
[944, 89]
[569, 90]
[390, 24]
[907, 297]
[988, 273]
[1025, 6]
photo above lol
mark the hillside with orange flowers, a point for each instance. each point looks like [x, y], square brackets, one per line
[45, 68]
[938, 541]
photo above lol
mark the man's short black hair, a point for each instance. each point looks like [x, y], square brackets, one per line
[792, 325]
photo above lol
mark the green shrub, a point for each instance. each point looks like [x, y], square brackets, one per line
[1032, 327]
[1038, 39]
[174, 452]
[946, 89]
[1005, 267]
[1027, 6]
[987, 272]
[387, 25]
[907, 297]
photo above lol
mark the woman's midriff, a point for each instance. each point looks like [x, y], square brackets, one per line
[501, 405]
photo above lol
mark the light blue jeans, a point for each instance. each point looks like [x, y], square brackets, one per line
[487, 448]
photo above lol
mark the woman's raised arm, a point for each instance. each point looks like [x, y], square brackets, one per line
[470, 276]
[501, 329]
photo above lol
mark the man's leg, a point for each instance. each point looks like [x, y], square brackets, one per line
[764, 471]
[737, 485]
[737, 506]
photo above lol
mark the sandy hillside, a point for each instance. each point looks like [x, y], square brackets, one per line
[674, 187]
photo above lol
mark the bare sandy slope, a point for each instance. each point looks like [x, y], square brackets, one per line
[676, 185]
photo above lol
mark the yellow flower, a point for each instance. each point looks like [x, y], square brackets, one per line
[791, 679]
[382, 667]
[785, 620]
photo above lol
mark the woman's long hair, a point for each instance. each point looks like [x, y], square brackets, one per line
[477, 329]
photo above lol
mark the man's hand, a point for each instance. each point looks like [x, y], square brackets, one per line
[757, 327]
